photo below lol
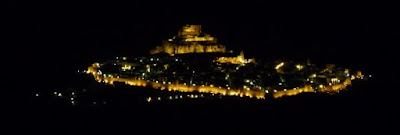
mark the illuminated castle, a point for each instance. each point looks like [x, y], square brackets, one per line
[190, 39]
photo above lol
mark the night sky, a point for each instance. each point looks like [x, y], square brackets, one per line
[55, 38]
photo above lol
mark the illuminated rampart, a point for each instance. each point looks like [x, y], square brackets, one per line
[176, 86]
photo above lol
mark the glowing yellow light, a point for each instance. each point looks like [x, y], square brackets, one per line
[191, 35]
[148, 99]
[279, 65]
[299, 67]
[148, 68]
[210, 88]
[235, 60]
[126, 67]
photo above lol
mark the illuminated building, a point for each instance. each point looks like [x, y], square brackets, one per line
[223, 75]
[190, 39]
[235, 60]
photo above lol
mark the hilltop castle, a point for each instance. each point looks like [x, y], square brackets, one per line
[190, 39]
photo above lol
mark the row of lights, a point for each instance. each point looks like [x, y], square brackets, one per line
[149, 99]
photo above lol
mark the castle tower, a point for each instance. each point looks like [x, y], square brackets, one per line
[190, 39]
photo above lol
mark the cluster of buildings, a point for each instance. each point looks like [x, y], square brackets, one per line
[197, 63]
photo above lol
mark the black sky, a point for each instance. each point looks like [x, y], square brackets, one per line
[74, 33]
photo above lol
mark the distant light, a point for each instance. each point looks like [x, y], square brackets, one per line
[311, 82]
[59, 94]
[370, 75]
[284, 89]
[279, 65]
[124, 58]
[280, 83]
[176, 59]
[275, 90]
[37, 95]
[159, 98]
[299, 67]
[73, 93]
[55, 93]
[148, 99]
[72, 98]
[151, 59]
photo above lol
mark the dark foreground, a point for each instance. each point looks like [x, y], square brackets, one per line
[361, 109]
